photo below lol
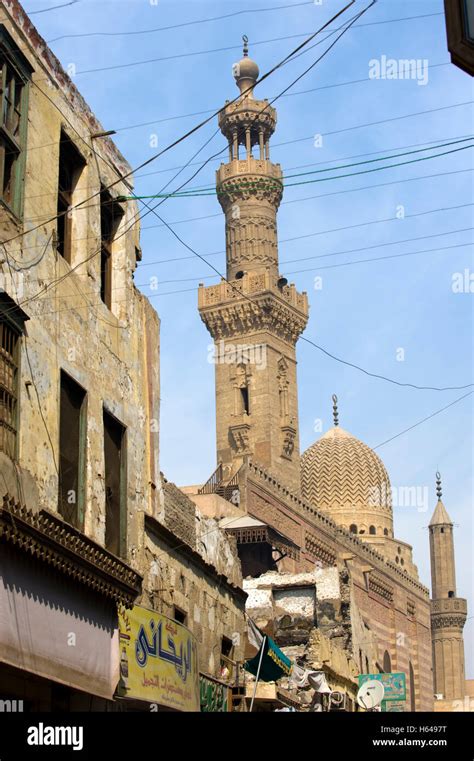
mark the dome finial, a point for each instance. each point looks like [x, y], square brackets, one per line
[438, 484]
[246, 71]
[335, 413]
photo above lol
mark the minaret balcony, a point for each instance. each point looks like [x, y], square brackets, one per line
[247, 112]
[238, 168]
[252, 283]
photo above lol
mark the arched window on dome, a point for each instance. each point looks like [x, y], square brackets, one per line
[372, 530]
[353, 528]
[385, 532]
[387, 662]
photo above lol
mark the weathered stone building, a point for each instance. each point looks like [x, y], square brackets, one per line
[86, 520]
[331, 507]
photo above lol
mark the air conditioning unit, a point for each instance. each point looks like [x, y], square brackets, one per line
[439, 696]
[337, 701]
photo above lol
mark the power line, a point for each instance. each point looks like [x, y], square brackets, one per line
[319, 232]
[281, 63]
[428, 417]
[322, 256]
[200, 193]
[52, 8]
[269, 103]
[435, 144]
[286, 95]
[175, 56]
[197, 127]
[182, 24]
[340, 253]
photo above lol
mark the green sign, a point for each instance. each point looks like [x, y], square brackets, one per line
[394, 684]
[214, 695]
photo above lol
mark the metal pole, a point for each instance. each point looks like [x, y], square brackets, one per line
[258, 672]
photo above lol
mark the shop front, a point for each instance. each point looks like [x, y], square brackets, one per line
[59, 592]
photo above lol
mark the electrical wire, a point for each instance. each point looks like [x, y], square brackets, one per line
[420, 422]
[196, 128]
[245, 185]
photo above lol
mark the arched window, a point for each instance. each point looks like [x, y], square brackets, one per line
[412, 689]
[353, 528]
[372, 530]
[387, 663]
[385, 532]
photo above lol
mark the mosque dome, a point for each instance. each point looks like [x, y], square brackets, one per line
[345, 478]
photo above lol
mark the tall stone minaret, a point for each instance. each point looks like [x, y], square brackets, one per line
[448, 612]
[255, 319]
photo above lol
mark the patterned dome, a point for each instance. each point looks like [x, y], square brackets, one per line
[342, 476]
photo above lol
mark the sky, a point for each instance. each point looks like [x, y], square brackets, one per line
[408, 318]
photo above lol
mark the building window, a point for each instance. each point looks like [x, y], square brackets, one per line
[387, 662]
[71, 164]
[353, 528]
[110, 215]
[244, 393]
[9, 350]
[115, 484]
[12, 322]
[72, 445]
[372, 530]
[180, 616]
[15, 72]
[226, 665]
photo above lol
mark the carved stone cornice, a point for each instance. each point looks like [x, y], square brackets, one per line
[51, 540]
[265, 312]
[320, 549]
[443, 621]
[448, 613]
[249, 187]
[379, 587]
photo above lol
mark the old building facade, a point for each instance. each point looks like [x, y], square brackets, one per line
[87, 522]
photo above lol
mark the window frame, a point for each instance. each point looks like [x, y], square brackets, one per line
[66, 197]
[14, 318]
[82, 458]
[107, 242]
[123, 479]
[15, 62]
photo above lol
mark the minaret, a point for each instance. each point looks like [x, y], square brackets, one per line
[255, 319]
[448, 612]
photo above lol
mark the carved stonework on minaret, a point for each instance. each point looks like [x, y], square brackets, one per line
[256, 411]
[448, 612]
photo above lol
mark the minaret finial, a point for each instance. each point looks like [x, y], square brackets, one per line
[246, 45]
[335, 413]
[438, 484]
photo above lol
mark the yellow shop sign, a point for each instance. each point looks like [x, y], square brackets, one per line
[158, 660]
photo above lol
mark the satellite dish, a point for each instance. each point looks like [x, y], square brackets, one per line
[282, 281]
[370, 694]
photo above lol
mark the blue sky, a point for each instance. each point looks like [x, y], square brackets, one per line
[364, 313]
